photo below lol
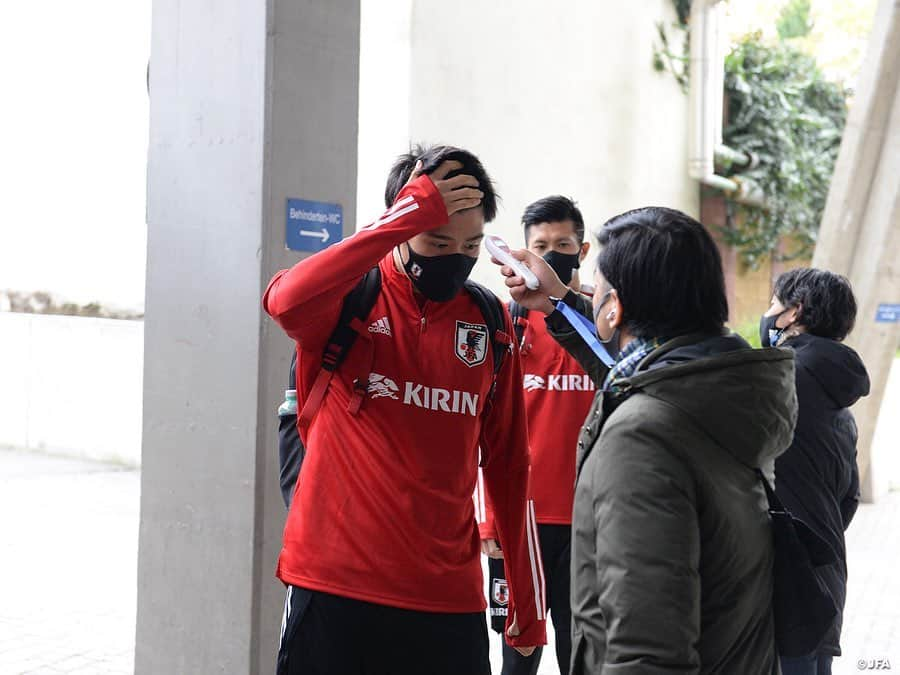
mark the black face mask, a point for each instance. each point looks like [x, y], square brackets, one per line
[564, 264]
[769, 333]
[441, 277]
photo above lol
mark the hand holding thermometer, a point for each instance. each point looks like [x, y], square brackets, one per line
[500, 250]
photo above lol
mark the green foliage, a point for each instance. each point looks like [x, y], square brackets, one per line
[666, 59]
[749, 330]
[781, 108]
[41, 302]
[683, 10]
[794, 20]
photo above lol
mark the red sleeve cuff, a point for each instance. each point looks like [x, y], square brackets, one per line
[432, 203]
[487, 531]
[534, 636]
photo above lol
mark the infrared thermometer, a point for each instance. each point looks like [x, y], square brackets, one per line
[500, 250]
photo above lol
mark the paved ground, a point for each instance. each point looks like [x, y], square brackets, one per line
[68, 556]
[68, 565]
[872, 615]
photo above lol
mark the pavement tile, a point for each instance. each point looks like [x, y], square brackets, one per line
[82, 518]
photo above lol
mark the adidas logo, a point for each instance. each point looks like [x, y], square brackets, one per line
[382, 326]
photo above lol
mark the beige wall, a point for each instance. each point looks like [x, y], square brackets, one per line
[552, 101]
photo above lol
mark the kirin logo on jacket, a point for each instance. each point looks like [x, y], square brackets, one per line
[534, 382]
[471, 342]
[382, 387]
[561, 382]
[422, 396]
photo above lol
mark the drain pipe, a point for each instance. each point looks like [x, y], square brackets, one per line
[725, 155]
[706, 94]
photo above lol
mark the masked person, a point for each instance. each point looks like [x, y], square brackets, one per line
[381, 549]
[817, 479]
[558, 394]
[672, 550]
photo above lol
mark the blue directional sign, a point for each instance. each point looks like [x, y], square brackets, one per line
[312, 226]
[888, 313]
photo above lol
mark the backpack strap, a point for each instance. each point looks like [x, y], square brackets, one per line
[519, 316]
[494, 316]
[774, 502]
[501, 344]
[292, 377]
[357, 305]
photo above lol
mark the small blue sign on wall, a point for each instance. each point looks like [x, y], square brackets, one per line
[312, 226]
[888, 313]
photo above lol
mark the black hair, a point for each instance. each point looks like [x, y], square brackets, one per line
[555, 209]
[432, 157]
[827, 304]
[667, 272]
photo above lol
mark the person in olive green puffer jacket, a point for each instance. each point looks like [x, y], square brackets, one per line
[672, 553]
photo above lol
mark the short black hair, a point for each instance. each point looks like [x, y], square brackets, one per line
[827, 303]
[554, 209]
[667, 272]
[432, 157]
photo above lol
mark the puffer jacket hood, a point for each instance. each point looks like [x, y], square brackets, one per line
[835, 366]
[719, 371]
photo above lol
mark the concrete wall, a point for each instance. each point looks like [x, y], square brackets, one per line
[72, 386]
[886, 439]
[384, 90]
[250, 104]
[545, 97]
[197, 559]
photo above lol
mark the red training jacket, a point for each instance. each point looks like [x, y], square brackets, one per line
[383, 509]
[558, 396]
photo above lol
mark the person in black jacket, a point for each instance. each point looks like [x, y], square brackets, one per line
[817, 479]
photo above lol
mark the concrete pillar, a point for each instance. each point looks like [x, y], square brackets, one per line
[860, 234]
[251, 103]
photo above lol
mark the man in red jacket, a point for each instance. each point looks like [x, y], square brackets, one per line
[381, 547]
[558, 394]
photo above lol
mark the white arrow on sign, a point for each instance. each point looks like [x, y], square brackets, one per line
[323, 234]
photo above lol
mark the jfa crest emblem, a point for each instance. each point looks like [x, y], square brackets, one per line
[471, 342]
[500, 592]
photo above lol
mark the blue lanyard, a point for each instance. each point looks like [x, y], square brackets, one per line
[587, 331]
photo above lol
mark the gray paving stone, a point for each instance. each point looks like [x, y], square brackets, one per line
[69, 560]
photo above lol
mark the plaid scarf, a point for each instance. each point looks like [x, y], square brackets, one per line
[636, 351]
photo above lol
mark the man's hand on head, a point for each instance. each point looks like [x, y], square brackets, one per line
[460, 192]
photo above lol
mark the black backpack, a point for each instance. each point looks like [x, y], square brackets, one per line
[357, 305]
[519, 317]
